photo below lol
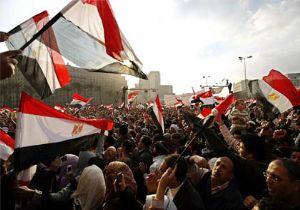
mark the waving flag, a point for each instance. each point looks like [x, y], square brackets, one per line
[131, 96]
[80, 101]
[44, 133]
[279, 91]
[88, 35]
[40, 62]
[157, 110]
[7, 145]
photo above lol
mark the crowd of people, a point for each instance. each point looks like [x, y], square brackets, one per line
[245, 160]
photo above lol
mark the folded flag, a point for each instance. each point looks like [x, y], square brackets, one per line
[279, 91]
[44, 133]
[40, 62]
[131, 96]
[80, 101]
[7, 145]
[157, 110]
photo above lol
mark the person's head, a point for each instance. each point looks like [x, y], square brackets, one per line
[236, 133]
[283, 180]
[110, 154]
[91, 188]
[123, 130]
[252, 147]
[111, 172]
[181, 169]
[144, 143]
[201, 162]
[295, 156]
[160, 148]
[127, 147]
[222, 171]
[240, 105]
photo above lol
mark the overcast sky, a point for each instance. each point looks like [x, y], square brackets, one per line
[188, 39]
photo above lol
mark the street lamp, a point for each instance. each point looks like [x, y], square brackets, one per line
[244, 59]
[206, 77]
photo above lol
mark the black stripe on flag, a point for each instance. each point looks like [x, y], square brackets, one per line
[27, 156]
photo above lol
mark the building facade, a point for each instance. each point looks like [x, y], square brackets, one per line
[151, 87]
[105, 88]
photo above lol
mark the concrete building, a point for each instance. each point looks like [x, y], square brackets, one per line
[295, 78]
[105, 88]
[152, 87]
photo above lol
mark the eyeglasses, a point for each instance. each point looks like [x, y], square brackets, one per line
[273, 177]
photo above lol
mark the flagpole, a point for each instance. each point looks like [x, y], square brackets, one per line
[47, 26]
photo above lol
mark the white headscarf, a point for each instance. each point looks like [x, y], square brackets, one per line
[91, 188]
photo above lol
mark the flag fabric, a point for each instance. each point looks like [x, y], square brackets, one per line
[80, 101]
[88, 35]
[218, 99]
[205, 112]
[25, 176]
[7, 145]
[279, 91]
[206, 98]
[131, 96]
[157, 109]
[178, 103]
[149, 104]
[59, 108]
[223, 106]
[40, 62]
[44, 133]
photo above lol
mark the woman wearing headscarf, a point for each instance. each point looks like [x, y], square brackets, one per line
[68, 161]
[121, 188]
[91, 189]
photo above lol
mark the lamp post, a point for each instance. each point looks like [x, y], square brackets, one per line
[206, 77]
[243, 59]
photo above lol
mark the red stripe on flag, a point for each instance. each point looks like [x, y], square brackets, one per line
[223, 106]
[30, 105]
[6, 139]
[49, 39]
[113, 41]
[159, 107]
[283, 85]
[76, 96]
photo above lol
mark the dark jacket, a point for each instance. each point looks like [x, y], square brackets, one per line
[187, 197]
[249, 173]
[227, 199]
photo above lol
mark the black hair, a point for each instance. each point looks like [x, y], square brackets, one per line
[182, 166]
[254, 145]
[292, 168]
[161, 148]
[146, 141]
[128, 146]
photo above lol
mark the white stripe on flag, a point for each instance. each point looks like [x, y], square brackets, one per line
[49, 130]
[275, 97]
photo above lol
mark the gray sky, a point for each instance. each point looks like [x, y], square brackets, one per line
[188, 39]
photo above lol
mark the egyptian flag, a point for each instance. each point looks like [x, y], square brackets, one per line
[218, 99]
[80, 101]
[279, 91]
[223, 106]
[40, 62]
[7, 145]
[131, 96]
[205, 112]
[44, 133]
[158, 116]
[178, 103]
[88, 35]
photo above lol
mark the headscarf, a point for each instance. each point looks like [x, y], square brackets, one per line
[91, 189]
[70, 160]
[111, 171]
